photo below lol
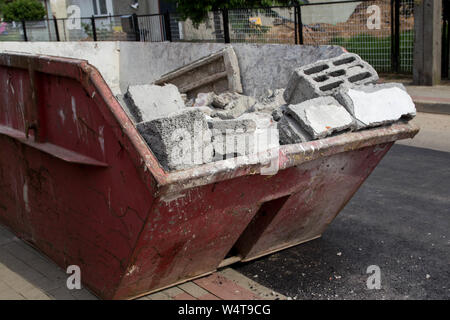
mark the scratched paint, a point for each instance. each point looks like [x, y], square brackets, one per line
[25, 197]
[12, 89]
[101, 139]
[74, 109]
[21, 93]
[131, 270]
[62, 116]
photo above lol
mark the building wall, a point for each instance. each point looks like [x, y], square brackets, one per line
[123, 7]
[87, 8]
[115, 7]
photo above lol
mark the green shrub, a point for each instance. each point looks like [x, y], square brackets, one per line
[19, 10]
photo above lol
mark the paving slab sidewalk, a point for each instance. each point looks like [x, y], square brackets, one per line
[434, 132]
[433, 116]
[25, 274]
[430, 99]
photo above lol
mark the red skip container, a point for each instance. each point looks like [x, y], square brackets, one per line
[78, 182]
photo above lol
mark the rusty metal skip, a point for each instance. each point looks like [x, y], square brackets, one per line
[78, 182]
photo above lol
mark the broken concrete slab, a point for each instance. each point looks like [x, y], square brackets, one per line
[290, 131]
[321, 117]
[218, 72]
[180, 141]
[237, 107]
[324, 78]
[374, 105]
[148, 102]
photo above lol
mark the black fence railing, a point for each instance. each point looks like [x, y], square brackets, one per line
[380, 31]
[104, 28]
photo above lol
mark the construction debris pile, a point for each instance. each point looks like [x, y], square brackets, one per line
[197, 114]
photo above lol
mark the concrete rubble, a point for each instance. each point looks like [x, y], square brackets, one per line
[324, 78]
[322, 99]
[250, 134]
[148, 102]
[320, 117]
[230, 138]
[265, 136]
[290, 131]
[179, 141]
[375, 105]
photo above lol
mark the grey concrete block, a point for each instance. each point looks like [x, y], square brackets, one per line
[325, 77]
[221, 126]
[374, 105]
[231, 138]
[291, 132]
[148, 102]
[250, 134]
[230, 144]
[321, 117]
[179, 141]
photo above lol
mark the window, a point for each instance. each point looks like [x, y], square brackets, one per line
[100, 7]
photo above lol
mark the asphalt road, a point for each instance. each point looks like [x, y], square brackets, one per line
[399, 220]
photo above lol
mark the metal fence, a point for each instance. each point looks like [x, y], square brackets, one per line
[380, 31]
[362, 27]
[267, 25]
[154, 27]
[103, 28]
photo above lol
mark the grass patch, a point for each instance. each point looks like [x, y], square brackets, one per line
[11, 37]
[377, 50]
